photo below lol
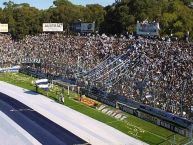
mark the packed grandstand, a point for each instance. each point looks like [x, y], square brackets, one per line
[150, 71]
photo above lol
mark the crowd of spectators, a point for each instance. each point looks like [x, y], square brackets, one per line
[163, 76]
[7, 51]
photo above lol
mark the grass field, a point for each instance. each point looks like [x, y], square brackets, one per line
[132, 126]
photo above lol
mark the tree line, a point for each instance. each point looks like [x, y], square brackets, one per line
[175, 16]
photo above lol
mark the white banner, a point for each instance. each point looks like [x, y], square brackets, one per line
[30, 60]
[52, 27]
[4, 28]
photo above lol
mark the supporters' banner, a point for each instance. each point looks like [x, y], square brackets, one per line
[42, 83]
[87, 27]
[148, 29]
[30, 60]
[13, 69]
[52, 27]
[4, 28]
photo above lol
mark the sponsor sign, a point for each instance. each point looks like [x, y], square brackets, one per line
[4, 28]
[52, 27]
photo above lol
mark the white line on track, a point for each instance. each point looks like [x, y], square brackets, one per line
[20, 110]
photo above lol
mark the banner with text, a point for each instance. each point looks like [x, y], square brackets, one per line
[52, 27]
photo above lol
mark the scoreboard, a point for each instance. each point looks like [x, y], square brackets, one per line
[147, 29]
[83, 27]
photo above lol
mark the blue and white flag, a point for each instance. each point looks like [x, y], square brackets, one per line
[13, 69]
[42, 83]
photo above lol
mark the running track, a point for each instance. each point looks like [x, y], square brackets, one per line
[41, 128]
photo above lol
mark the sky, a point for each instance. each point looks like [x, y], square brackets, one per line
[44, 4]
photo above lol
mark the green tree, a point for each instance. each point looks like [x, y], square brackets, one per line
[174, 16]
[62, 2]
[96, 14]
[27, 20]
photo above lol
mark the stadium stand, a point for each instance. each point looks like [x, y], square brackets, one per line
[114, 70]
